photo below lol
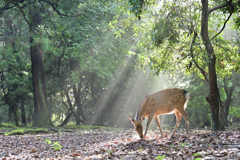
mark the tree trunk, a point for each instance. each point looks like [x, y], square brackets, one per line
[23, 114]
[41, 109]
[224, 110]
[15, 116]
[213, 97]
[76, 92]
[64, 123]
[71, 107]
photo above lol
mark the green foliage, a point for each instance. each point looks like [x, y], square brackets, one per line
[48, 141]
[79, 51]
[164, 43]
[55, 145]
[163, 30]
[234, 112]
[198, 108]
[110, 151]
[197, 155]
[139, 6]
[14, 67]
[160, 157]
[233, 8]
[184, 144]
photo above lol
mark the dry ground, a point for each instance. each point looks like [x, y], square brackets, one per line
[122, 144]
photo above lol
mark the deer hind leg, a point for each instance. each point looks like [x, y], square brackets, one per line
[150, 118]
[159, 125]
[185, 116]
[178, 120]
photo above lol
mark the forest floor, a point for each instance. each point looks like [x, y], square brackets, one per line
[122, 144]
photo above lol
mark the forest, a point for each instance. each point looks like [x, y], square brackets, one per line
[72, 72]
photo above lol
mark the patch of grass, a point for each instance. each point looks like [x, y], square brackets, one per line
[110, 151]
[197, 155]
[160, 157]
[183, 144]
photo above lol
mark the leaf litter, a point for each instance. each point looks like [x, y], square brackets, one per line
[122, 144]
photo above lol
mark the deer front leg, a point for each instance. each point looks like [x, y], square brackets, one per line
[150, 118]
[159, 125]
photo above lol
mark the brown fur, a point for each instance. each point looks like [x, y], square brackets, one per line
[162, 102]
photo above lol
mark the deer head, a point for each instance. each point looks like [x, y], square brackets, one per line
[138, 125]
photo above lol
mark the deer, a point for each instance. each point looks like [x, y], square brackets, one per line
[172, 100]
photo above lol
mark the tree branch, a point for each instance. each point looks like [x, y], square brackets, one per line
[7, 101]
[54, 7]
[6, 7]
[23, 14]
[220, 6]
[195, 62]
[224, 25]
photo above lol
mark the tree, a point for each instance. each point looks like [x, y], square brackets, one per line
[34, 20]
[15, 85]
[176, 25]
[230, 93]
[82, 60]
[41, 108]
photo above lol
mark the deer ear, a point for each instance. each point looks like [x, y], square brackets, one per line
[142, 117]
[131, 120]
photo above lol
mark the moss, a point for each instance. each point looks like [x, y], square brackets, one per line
[88, 127]
[10, 129]
[23, 131]
[7, 125]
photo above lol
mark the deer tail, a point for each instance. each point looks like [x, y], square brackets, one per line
[187, 97]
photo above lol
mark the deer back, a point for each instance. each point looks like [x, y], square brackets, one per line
[162, 102]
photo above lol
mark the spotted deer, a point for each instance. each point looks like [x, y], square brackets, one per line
[162, 102]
